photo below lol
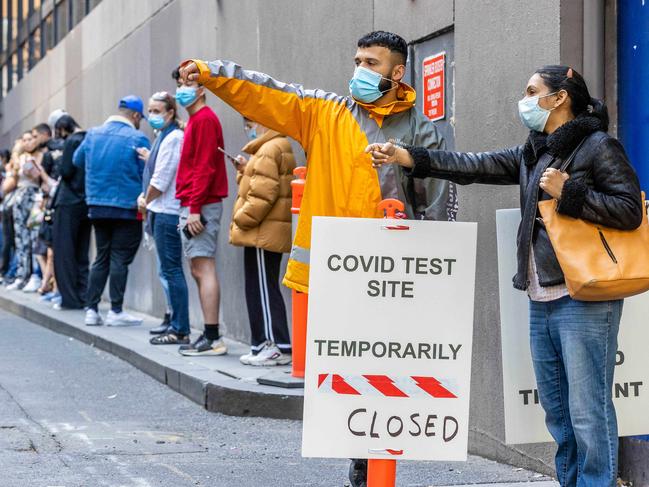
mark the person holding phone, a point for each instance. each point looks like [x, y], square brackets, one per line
[201, 185]
[261, 224]
[162, 209]
[27, 175]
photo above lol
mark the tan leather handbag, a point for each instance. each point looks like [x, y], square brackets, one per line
[599, 263]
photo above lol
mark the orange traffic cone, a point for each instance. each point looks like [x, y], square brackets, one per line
[300, 301]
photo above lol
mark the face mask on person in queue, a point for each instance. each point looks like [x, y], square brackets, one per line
[157, 121]
[186, 95]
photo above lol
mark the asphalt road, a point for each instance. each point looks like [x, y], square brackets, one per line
[71, 415]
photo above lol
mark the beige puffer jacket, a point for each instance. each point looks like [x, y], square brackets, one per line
[262, 213]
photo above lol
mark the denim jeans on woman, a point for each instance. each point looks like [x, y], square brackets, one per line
[574, 345]
[170, 255]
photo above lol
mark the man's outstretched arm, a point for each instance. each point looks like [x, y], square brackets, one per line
[286, 108]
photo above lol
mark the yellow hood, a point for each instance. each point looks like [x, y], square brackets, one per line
[406, 96]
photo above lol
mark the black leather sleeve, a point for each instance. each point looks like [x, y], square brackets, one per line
[497, 167]
[615, 199]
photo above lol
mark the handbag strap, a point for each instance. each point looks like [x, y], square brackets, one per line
[568, 161]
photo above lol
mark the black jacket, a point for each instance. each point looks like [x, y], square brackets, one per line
[72, 186]
[603, 186]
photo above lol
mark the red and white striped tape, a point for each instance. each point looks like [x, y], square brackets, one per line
[385, 451]
[384, 385]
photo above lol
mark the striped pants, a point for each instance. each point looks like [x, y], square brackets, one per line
[266, 309]
[23, 203]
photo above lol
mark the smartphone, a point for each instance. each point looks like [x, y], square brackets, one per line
[186, 231]
[230, 156]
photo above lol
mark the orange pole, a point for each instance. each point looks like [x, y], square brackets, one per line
[383, 473]
[300, 301]
[300, 307]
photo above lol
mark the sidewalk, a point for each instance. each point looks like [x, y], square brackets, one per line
[218, 384]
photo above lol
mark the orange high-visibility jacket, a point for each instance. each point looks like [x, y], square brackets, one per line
[334, 132]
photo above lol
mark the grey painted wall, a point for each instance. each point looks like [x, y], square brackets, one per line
[125, 46]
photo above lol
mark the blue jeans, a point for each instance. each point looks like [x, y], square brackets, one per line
[574, 345]
[170, 254]
[163, 283]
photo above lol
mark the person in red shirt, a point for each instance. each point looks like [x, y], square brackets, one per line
[201, 185]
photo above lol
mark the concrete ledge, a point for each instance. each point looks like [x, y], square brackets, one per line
[219, 384]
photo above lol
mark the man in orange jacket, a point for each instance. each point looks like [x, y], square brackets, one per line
[334, 131]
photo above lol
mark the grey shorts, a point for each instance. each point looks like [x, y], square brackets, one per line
[203, 244]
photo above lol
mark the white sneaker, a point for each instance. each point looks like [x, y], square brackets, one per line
[270, 355]
[245, 359]
[122, 319]
[14, 285]
[93, 318]
[33, 284]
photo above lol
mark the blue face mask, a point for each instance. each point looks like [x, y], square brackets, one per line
[533, 116]
[186, 95]
[157, 121]
[364, 85]
[252, 133]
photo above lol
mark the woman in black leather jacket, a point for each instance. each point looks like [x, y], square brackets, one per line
[573, 342]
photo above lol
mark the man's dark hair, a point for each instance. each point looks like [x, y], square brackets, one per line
[5, 154]
[43, 128]
[67, 123]
[393, 42]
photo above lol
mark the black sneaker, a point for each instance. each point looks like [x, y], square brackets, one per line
[203, 346]
[162, 328]
[358, 473]
[170, 338]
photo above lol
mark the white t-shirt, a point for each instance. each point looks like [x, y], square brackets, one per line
[164, 176]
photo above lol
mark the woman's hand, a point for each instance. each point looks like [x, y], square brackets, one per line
[141, 204]
[241, 163]
[143, 153]
[388, 153]
[552, 182]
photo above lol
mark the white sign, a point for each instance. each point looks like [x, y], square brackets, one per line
[524, 417]
[389, 336]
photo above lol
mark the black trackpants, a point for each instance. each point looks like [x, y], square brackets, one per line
[266, 309]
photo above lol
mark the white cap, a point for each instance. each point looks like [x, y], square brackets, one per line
[54, 117]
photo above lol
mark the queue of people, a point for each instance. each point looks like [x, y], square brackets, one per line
[115, 179]
[111, 181]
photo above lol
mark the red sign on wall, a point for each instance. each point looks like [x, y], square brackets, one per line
[433, 69]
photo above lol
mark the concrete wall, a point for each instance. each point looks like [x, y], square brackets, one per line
[125, 46]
